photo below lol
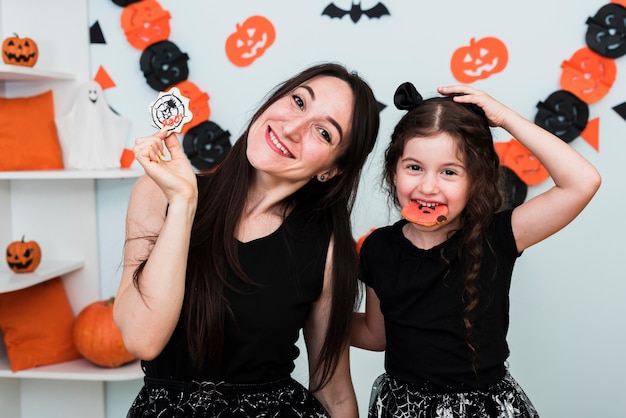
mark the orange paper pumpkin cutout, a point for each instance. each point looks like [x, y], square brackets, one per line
[527, 167]
[145, 22]
[588, 75]
[501, 148]
[198, 103]
[479, 59]
[250, 40]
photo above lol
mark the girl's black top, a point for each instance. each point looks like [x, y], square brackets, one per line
[421, 298]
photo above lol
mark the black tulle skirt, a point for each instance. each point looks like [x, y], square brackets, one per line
[167, 399]
[506, 399]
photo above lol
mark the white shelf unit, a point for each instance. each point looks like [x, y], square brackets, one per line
[16, 73]
[57, 209]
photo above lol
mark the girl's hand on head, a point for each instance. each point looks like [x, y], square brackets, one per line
[175, 176]
[495, 111]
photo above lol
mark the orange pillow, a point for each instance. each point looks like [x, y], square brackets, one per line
[28, 134]
[37, 325]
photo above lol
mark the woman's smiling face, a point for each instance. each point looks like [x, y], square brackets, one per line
[302, 134]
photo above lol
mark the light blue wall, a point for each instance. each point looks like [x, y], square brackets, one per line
[567, 311]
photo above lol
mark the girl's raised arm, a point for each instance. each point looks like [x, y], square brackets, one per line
[575, 179]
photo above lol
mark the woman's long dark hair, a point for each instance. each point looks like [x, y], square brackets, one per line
[213, 247]
[468, 125]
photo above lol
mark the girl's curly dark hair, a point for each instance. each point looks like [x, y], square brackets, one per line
[468, 125]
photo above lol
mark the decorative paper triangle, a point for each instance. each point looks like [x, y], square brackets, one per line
[95, 34]
[621, 110]
[591, 133]
[102, 78]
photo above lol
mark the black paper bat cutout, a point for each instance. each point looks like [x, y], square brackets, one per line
[356, 12]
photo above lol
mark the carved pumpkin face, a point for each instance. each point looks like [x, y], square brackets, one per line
[206, 145]
[23, 256]
[198, 103]
[144, 23]
[164, 65]
[606, 31]
[588, 75]
[563, 114]
[524, 164]
[479, 59]
[250, 40]
[19, 51]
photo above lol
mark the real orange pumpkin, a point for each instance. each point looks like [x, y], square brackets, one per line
[97, 338]
[20, 51]
[23, 256]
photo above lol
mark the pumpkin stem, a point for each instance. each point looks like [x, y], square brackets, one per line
[23, 236]
[110, 301]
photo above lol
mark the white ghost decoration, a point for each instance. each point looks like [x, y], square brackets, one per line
[91, 134]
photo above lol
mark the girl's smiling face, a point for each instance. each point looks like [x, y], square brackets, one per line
[432, 172]
[302, 134]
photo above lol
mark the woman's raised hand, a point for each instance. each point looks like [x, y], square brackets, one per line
[175, 176]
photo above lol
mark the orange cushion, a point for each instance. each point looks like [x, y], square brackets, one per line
[37, 325]
[28, 134]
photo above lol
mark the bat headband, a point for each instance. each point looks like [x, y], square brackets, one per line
[407, 97]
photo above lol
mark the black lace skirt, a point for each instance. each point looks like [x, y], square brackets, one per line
[506, 399]
[169, 399]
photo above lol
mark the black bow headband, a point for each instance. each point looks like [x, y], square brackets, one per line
[408, 98]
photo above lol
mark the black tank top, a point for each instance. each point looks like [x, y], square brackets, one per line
[287, 267]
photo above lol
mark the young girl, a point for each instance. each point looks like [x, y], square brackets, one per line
[222, 271]
[438, 280]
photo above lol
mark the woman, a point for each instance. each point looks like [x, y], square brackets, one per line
[222, 271]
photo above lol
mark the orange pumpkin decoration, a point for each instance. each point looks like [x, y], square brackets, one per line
[250, 40]
[588, 75]
[198, 103]
[145, 22]
[479, 59]
[97, 338]
[20, 51]
[23, 256]
[524, 164]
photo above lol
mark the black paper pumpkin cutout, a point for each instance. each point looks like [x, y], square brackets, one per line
[563, 114]
[513, 188]
[606, 31]
[124, 3]
[206, 145]
[164, 64]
